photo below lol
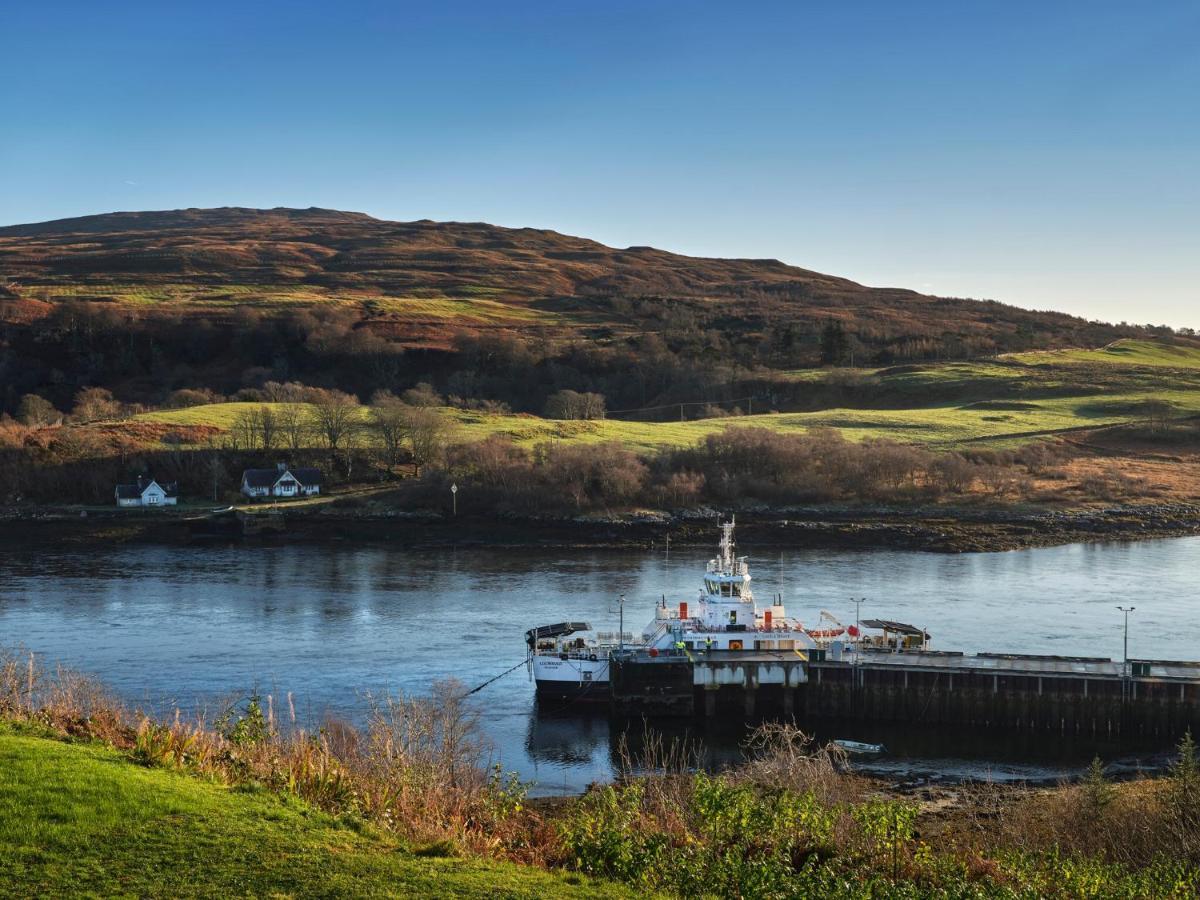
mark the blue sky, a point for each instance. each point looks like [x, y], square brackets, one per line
[1044, 154]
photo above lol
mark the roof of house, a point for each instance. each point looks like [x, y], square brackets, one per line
[135, 491]
[265, 478]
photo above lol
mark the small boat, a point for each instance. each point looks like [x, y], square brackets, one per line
[569, 661]
[860, 748]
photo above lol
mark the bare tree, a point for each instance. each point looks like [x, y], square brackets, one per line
[335, 418]
[426, 431]
[268, 429]
[245, 430]
[574, 405]
[291, 419]
[423, 395]
[216, 471]
[95, 403]
[1158, 413]
[36, 411]
[389, 420]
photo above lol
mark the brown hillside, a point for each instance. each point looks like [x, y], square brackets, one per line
[416, 283]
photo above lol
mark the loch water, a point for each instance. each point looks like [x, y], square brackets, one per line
[191, 626]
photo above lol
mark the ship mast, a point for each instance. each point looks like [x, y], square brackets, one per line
[726, 546]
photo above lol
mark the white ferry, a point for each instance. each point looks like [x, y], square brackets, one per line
[571, 661]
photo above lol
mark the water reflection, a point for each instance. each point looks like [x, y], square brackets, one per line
[168, 626]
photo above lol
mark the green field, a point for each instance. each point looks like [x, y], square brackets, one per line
[81, 820]
[1000, 402]
[1120, 353]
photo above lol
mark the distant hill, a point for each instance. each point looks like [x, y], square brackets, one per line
[214, 259]
[226, 300]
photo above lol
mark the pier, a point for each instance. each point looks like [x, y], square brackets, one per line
[1087, 696]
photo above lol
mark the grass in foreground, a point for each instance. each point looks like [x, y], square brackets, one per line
[82, 820]
[237, 808]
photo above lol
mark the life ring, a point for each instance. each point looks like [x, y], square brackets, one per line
[593, 658]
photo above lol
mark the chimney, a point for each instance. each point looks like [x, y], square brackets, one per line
[281, 467]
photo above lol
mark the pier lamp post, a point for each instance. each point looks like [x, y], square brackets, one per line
[621, 627]
[1125, 654]
[454, 497]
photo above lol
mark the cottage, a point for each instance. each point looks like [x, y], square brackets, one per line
[147, 492]
[282, 481]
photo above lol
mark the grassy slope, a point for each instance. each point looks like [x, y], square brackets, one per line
[1048, 392]
[1124, 352]
[82, 821]
[188, 298]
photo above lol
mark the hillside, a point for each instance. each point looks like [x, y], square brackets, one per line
[207, 261]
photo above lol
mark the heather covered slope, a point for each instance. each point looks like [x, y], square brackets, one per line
[212, 259]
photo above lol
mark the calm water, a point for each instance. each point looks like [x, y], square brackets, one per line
[166, 626]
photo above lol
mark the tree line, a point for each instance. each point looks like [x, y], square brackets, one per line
[684, 350]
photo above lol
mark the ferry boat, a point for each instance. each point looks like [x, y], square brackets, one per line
[570, 660]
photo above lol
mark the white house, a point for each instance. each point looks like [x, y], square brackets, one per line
[281, 481]
[147, 492]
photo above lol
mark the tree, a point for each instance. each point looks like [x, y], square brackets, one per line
[291, 420]
[190, 397]
[574, 405]
[334, 418]
[389, 420]
[835, 345]
[243, 433]
[1097, 793]
[423, 395]
[425, 430]
[1158, 413]
[36, 411]
[95, 403]
[268, 431]
[216, 472]
[1184, 788]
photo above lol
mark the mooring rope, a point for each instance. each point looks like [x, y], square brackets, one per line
[490, 680]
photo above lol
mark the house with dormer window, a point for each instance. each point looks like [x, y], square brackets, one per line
[147, 492]
[281, 482]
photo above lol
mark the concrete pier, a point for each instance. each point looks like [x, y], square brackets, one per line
[1011, 692]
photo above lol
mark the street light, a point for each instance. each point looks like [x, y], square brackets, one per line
[857, 633]
[454, 497]
[1125, 656]
[621, 627]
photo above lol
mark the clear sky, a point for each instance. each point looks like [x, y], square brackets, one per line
[1045, 154]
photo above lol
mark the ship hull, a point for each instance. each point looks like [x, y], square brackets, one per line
[570, 679]
[558, 691]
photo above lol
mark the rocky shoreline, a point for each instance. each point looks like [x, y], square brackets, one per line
[929, 529]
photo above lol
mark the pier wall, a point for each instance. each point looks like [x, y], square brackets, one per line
[1095, 705]
[1070, 697]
